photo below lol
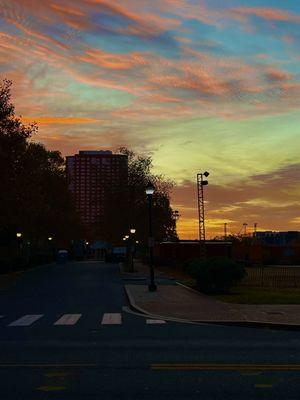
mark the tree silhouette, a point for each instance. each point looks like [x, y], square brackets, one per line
[126, 205]
[34, 196]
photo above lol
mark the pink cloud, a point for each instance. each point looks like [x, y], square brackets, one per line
[270, 14]
[113, 61]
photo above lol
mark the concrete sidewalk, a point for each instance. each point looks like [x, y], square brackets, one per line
[180, 302]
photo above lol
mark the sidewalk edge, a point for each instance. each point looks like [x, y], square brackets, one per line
[237, 323]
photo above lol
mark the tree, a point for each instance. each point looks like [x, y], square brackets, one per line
[126, 206]
[34, 196]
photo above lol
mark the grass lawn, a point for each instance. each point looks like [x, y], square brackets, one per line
[243, 294]
[178, 274]
[258, 295]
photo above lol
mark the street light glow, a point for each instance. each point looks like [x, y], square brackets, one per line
[132, 230]
[19, 234]
[150, 189]
[50, 238]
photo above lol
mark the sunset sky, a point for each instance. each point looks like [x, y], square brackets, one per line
[200, 85]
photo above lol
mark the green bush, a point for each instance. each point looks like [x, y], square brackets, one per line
[216, 274]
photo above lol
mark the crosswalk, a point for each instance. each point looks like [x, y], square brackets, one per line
[72, 319]
[68, 319]
[26, 320]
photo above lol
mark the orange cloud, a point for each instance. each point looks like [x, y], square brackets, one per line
[59, 120]
[66, 10]
[250, 201]
[113, 61]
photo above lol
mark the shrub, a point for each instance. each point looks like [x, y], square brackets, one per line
[216, 274]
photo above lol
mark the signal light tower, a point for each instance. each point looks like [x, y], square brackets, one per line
[200, 183]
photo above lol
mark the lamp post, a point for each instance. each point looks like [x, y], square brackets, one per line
[126, 240]
[131, 244]
[175, 216]
[51, 247]
[19, 240]
[149, 192]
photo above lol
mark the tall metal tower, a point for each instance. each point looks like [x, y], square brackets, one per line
[201, 214]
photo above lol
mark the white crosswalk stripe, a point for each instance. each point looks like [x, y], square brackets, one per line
[72, 319]
[155, 321]
[26, 320]
[111, 319]
[68, 319]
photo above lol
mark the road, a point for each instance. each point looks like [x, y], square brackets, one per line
[66, 332]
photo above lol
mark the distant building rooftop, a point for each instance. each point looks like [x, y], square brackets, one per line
[95, 152]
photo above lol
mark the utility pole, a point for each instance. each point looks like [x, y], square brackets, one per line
[245, 228]
[225, 231]
[255, 229]
[201, 213]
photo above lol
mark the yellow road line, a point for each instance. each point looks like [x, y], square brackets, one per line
[51, 388]
[246, 367]
[32, 365]
[263, 386]
[56, 374]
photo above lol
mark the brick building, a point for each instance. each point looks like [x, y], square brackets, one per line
[91, 175]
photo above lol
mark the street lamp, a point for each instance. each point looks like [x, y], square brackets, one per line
[131, 248]
[19, 240]
[149, 192]
[176, 215]
[50, 238]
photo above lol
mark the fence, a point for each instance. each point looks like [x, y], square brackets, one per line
[284, 277]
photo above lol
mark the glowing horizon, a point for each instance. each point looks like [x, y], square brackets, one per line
[196, 84]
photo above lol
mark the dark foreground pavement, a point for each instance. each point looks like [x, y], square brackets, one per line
[132, 358]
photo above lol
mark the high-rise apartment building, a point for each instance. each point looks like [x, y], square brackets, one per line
[91, 175]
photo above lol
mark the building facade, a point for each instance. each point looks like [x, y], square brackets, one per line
[278, 238]
[92, 174]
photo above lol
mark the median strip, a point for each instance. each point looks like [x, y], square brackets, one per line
[227, 367]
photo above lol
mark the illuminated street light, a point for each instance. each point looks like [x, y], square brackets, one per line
[50, 238]
[132, 230]
[150, 189]
[19, 234]
[149, 192]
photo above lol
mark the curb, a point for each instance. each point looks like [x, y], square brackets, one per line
[134, 307]
[242, 324]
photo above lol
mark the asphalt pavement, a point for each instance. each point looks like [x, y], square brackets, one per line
[67, 332]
